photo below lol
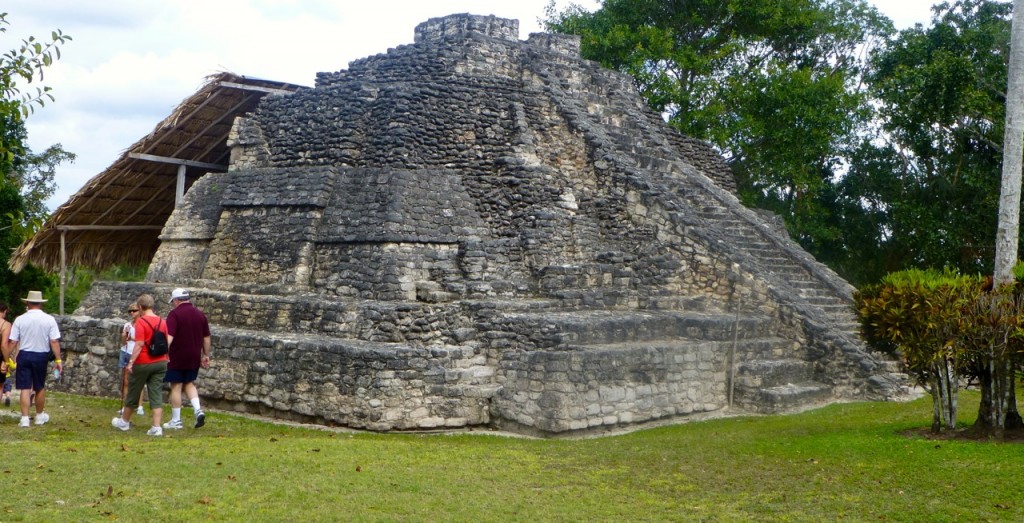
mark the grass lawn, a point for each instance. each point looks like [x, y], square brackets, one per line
[847, 462]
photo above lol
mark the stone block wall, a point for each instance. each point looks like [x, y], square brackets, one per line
[308, 378]
[386, 271]
[558, 392]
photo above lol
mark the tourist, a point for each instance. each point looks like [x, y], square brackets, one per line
[144, 369]
[5, 367]
[127, 348]
[35, 336]
[189, 337]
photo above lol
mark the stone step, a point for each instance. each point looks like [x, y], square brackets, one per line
[816, 291]
[744, 346]
[608, 327]
[805, 284]
[766, 348]
[827, 301]
[781, 398]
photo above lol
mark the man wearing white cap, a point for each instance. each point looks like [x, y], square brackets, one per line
[188, 334]
[36, 334]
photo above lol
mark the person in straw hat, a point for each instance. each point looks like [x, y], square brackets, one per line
[35, 335]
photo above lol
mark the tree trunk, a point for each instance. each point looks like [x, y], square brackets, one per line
[984, 421]
[1000, 399]
[952, 393]
[936, 404]
[1013, 149]
[998, 409]
[947, 379]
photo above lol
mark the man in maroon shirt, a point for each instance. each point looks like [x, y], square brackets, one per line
[188, 334]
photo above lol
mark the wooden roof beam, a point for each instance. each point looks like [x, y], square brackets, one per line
[177, 161]
[109, 227]
[245, 87]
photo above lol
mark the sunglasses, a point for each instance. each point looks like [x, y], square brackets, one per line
[133, 310]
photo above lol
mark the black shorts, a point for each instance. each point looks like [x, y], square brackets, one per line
[181, 376]
[31, 371]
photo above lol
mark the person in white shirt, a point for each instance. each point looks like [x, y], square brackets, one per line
[127, 346]
[34, 335]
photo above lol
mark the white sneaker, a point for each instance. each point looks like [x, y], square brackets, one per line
[173, 424]
[24, 422]
[42, 418]
[155, 431]
[200, 419]
[120, 424]
[141, 411]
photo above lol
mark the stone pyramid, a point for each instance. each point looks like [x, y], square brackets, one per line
[478, 230]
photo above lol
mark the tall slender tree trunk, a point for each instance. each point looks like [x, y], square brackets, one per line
[1013, 150]
[1001, 369]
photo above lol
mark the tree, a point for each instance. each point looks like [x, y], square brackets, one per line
[936, 174]
[921, 316]
[999, 405]
[27, 62]
[932, 169]
[26, 179]
[24, 187]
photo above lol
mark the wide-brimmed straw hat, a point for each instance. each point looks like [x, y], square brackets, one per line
[34, 297]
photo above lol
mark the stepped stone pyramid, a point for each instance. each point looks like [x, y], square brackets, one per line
[478, 230]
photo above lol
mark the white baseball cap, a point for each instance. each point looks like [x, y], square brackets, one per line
[178, 294]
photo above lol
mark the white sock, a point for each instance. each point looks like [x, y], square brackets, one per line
[195, 404]
[175, 414]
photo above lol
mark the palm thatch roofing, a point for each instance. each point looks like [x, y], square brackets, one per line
[116, 218]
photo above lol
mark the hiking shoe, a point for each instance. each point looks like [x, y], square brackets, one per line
[24, 422]
[174, 424]
[120, 424]
[200, 419]
[155, 431]
[42, 418]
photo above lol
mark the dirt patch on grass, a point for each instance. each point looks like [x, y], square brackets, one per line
[1013, 436]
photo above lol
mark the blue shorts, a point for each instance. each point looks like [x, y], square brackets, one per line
[122, 362]
[181, 376]
[31, 371]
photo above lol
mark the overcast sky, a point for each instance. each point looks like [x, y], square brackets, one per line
[131, 62]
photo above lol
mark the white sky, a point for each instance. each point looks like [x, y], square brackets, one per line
[131, 62]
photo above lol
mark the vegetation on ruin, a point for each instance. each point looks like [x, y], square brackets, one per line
[855, 461]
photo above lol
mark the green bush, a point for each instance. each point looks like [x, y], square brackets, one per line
[946, 328]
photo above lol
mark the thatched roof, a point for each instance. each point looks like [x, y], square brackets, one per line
[117, 216]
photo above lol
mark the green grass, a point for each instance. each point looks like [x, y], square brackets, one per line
[845, 462]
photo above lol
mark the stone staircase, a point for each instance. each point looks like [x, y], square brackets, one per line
[635, 139]
[770, 384]
[645, 148]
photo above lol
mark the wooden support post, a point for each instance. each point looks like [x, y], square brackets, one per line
[179, 192]
[732, 352]
[63, 269]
